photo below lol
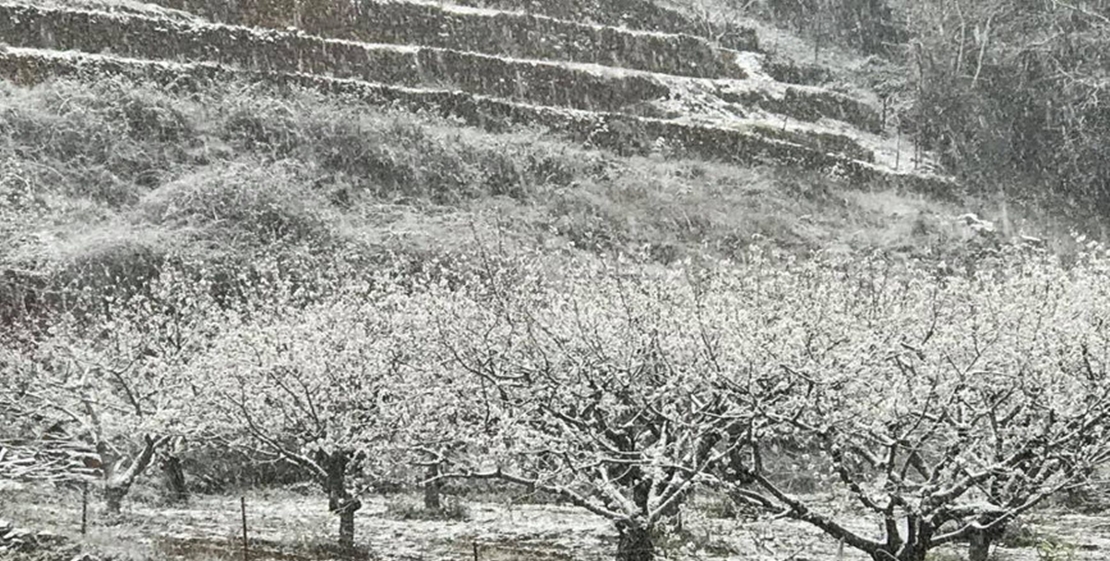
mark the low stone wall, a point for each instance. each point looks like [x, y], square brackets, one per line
[635, 14]
[619, 133]
[512, 34]
[792, 73]
[290, 52]
[821, 141]
[810, 106]
[284, 51]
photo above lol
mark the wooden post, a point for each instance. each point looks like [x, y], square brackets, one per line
[916, 149]
[84, 507]
[475, 551]
[243, 510]
[816, 39]
[897, 149]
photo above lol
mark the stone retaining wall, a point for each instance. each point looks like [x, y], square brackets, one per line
[619, 133]
[277, 51]
[537, 82]
[810, 106]
[635, 14]
[512, 34]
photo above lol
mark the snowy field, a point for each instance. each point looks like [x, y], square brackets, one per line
[286, 526]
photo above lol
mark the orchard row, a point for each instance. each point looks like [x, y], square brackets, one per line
[945, 405]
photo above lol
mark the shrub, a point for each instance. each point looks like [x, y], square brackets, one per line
[101, 140]
[271, 130]
[111, 259]
[270, 203]
[588, 221]
[403, 508]
[867, 25]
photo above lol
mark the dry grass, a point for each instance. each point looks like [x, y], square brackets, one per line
[286, 526]
[106, 181]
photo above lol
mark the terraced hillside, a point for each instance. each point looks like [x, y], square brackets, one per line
[651, 85]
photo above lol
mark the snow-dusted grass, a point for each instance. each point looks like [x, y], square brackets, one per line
[284, 525]
[114, 176]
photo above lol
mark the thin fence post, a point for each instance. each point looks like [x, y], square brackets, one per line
[475, 551]
[243, 511]
[897, 149]
[84, 507]
[916, 150]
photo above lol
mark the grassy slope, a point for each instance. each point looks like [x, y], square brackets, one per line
[106, 180]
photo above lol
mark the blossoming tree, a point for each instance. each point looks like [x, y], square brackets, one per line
[945, 408]
[111, 375]
[605, 388]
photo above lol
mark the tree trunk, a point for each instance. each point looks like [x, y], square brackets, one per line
[909, 552]
[673, 512]
[979, 546]
[635, 543]
[432, 489]
[113, 499]
[118, 481]
[340, 501]
[347, 526]
[174, 476]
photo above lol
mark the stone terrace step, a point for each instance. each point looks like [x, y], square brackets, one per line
[635, 14]
[623, 134]
[579, 86]
[279, 51]
[496, 32]
[129, 7]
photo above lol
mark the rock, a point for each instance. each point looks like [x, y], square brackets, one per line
[15, 534]
[976, 224]
[1030, 240]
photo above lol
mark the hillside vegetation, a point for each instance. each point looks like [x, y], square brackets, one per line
[107, 182]
[692, 277]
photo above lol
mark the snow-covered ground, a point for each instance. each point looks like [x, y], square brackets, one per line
[282, 522]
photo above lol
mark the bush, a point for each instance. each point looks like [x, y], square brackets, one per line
[270, 203]
[218, 469]
[405, 509]
[101, 141]
[867, 25]
[588, 221]
[270, 128]
[112, 259]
